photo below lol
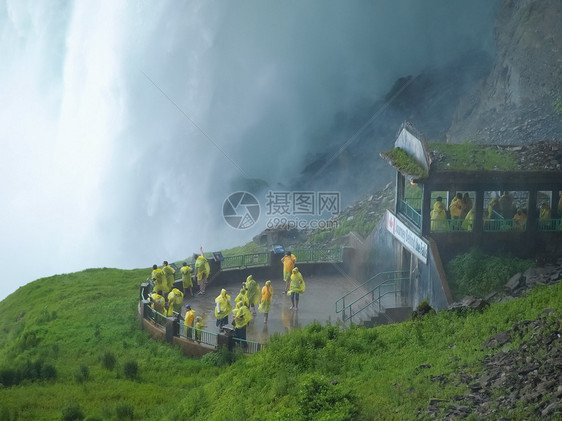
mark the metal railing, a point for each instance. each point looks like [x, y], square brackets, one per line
[370, 293]
[248, 347]
[503, 225]
[245, 261]
[549, 225]
[155, 316]
[198, 335]
[451, 225]
[405, 207]
[319, 255]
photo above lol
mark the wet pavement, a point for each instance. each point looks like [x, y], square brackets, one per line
[317, 303]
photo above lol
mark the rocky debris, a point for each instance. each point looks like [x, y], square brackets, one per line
[514, 103]
[521, 283]
[469, 303]
[527, 378]
[518, 285]
[421, 310]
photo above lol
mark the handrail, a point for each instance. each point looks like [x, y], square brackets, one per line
[374, 300]
[549, 225]
[198, 335]
[394, 274]
[410, 212]
[334, 255]
[245, 261]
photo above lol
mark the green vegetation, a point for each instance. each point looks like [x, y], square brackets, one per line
[77, 322]
[406, 164]
[248, 248]
[557, 104]
[477, 274]
[470, 156]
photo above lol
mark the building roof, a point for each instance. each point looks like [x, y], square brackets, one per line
[538, 162]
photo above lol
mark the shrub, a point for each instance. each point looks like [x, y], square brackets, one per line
[124, 411]
[220, 358]
[4, 414]
[9, 377]
[476, 274]
[82, 374]
[72, 412]
[131, 369]
[322, 399]
[48, 372]
[109, 360]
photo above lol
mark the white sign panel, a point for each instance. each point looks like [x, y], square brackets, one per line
[403, 234]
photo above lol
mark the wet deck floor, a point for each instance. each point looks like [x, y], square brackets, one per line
[317, 303]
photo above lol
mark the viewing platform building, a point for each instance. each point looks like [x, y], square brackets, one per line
[452, 197]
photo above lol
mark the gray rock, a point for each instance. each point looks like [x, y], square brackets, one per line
[514, 282]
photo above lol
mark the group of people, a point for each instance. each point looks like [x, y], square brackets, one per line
[247, 301]
[460, 211]
[502, 207]
[168, 300]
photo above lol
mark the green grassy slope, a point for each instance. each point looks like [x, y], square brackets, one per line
[76, 322]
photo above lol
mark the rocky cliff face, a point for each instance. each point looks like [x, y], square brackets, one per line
[515, 103]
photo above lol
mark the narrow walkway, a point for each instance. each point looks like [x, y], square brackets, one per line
[317, 303]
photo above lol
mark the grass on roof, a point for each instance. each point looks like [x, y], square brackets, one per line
[404, 162]
[470, 156]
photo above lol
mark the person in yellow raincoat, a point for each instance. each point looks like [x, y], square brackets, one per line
[159, 280]
[203, 271]
[289, 261]
[253, 293]
[222, 309]
[175, 302]
[198, 328]
[157, 301]
[265, 301]
[455, 208]
[296, 288]
[242, 317]
[493, 208]
[468, 221]
[243, 297]
[169, 273]
[186, 280]
[466, 205]
[188, 321]
[545, 215]
[438, 216]
[520, 220]
[545, 212]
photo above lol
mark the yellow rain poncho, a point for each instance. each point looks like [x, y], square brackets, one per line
[159, 281]
[456, 208]
[438, 217]
[253, 290]
[289, 262]
[266, 297]
[297, 282]
[175, 298]
[468, 221]
[169, 273]
[242, 297]
[545, 212]
[189, 318]
[157, 302]
[198, 327]
[186, 276]
[222, 305]
[203, 268]
[242, 316]
[494, 206]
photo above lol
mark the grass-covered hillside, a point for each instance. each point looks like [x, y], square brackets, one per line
[71, 348]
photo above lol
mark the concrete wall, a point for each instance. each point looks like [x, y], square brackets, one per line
[427, 281]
